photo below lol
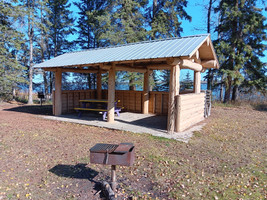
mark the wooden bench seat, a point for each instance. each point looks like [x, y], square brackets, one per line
[116, 110]
[92, 109]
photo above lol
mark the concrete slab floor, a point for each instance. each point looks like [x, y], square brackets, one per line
[133, 122]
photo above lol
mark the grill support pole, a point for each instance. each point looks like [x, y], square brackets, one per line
[113, 178]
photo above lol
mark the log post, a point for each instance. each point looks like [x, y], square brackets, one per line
[197, 82]
[111, 93]
[58, 98]
[174, 88]
[113, 178]
[146, 93]
[99, 84]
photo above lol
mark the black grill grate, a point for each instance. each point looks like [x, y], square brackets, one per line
[103, 148]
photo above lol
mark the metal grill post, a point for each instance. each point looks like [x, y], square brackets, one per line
[113, 177]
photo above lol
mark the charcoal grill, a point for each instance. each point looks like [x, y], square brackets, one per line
[113, 154]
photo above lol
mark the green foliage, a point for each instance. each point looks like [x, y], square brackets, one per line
[62, 26]
[89, 26]
[242, 32]
[165, 77]
[124, 23]
[164, 18]
[11, 72]
[187, 83]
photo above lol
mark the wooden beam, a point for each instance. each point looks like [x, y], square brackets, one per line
[49, 69]
[208, 41]
[99, 84]
[111, 93]
[74, 70]
[79, 70]
[146, 93]
[173, 61]
[187, 64]
[58, 96]
[125, 68]
[174, 88]
[209, 64]
[197, 82]
[130, 69]
[159, 67]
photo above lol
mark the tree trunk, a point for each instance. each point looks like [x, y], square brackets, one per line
[132, 85]
[235, 93]
[208, 30]
[13, 94]
[228, 90]
[209, 80]
[155, 5]
[89, 81]
[30, 34]
[94, 81]
[43, 49]
[221, 90]
[45, 86]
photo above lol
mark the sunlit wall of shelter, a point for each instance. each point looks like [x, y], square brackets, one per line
[183, 110]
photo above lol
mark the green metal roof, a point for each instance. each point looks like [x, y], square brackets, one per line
[165, 48]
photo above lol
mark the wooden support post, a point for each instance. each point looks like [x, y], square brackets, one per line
[99, 85]
[178, 110]
[111, 93]
[58, 98]
[174, 88]
[146, 93]
[197, 82]
[113, 178]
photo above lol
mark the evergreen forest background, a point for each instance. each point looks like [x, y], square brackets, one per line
[32, 31]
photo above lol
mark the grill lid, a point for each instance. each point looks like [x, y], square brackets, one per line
[103, 148]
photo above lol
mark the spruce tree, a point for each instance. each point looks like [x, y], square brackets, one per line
[124, 23]
[164, 18]
[187, 83]
[43, 38]
[241, 32]
[11, 72]
[61, 26]
[88, 22]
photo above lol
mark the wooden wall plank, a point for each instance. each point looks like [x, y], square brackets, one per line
[165, 100]
[152, 103]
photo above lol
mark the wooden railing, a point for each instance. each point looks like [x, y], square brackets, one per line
[190, 106]
[70, 99]
[130, 100]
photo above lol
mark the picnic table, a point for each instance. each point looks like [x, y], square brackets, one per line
[98, 105]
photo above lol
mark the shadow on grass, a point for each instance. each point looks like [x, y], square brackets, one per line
[79, 171]
[33, 109]
[260, 107]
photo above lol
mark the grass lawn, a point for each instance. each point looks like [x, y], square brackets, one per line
[43, 159]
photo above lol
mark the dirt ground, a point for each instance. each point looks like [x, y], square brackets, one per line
[45, 159]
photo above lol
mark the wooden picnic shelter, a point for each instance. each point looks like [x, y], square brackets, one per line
[182, 109]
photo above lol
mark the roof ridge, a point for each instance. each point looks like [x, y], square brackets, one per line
[134, 43]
